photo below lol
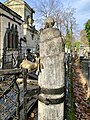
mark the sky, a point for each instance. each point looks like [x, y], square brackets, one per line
[82, 9]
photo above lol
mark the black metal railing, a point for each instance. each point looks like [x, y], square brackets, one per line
[9, 94]
[14, 101]
[69, 105]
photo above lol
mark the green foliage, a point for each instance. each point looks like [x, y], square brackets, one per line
[67, 44]
[77, 45]
[68, 36]
[67, 40]
[87, 29]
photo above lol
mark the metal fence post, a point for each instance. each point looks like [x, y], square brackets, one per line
[24, 91]
[18, 101]
[89, 72]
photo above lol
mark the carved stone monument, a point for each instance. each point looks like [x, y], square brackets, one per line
[51, 79]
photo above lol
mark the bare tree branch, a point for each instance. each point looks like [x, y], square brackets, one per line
[63, 16]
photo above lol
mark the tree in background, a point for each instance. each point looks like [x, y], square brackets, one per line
[87, 29]
[76, 46]
[83, 38]
[64, 17]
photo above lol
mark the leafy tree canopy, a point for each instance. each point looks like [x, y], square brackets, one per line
[87, 29]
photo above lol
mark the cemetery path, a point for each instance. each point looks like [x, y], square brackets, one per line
[80, 88]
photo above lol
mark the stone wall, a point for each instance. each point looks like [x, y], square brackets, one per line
[7, 17]
[26, 12]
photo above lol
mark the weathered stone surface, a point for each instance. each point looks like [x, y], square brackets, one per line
[49, 34]
[52, 76]
[52, 58]
[49, 22]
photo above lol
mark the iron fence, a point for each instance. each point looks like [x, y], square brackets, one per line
[13, 99]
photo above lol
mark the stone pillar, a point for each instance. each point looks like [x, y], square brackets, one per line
[51, 78]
